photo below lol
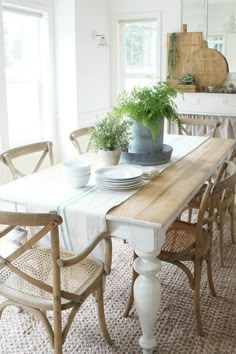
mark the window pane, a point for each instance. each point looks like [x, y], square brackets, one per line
[22, 57]
[140, 47]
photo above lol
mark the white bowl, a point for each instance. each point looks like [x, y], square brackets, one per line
[77, 165]
[67, 171]
[77, 180]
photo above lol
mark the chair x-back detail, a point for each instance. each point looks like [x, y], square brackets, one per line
[224, 189]
[200, 126]
[50, 279]
[77, 135]
[10, 156]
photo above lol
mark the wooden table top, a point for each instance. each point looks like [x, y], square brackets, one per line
[163, 198]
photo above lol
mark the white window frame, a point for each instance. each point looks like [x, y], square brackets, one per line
[116, 66]
[48, 115]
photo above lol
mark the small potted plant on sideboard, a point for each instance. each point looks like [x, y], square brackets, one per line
[186, 83]
[211, 87]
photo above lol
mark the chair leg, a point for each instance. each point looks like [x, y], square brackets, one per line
[231, 212]
[221, 239]
[196, 300]
[101, 314]
[209, 272]
[57, 332]
[131, 295]
[190, 213]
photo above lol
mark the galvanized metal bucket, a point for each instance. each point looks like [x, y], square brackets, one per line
[143, 149]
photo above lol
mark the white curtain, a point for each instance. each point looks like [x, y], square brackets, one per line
[226, 130]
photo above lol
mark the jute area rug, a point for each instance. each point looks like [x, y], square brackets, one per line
[175, 327]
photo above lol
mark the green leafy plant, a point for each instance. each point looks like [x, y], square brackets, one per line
[149, 105]
[171, 55]
[187, 79]
[111, 133]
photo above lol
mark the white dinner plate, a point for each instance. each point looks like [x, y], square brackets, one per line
[114, 184]
[119, 172]
[118, 187]
[119, 181]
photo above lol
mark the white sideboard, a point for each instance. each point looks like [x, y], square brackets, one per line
[219, 104]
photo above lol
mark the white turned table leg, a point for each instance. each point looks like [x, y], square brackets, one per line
[147, 296]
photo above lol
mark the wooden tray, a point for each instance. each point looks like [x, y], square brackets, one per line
[187, 88]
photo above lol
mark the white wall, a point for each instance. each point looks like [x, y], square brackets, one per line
[93, 63]
[170, 11]
[82, 69]
[3, 98]
[66, 72]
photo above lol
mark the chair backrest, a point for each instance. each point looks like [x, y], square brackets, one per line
[39, 150]
[224, 188]
[227, 168]
[199, 126]
[205, 218]
[45, 224]
[76, 139]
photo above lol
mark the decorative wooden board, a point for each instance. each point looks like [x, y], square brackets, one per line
[208, 66]
[186, 43]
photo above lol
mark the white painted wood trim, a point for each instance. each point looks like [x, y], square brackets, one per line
[207, 104]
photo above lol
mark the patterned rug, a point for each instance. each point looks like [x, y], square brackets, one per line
[175, 327]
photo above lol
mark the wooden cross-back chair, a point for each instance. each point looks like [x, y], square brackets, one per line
[224, 189]
[189, 242]
[188, 126]
[10, 156]
[50, 279]
[77, 135]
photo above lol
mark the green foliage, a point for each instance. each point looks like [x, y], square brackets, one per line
[187, 79]
[111, 132]
[171, 55]
[149, 105]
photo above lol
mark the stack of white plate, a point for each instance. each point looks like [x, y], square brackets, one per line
[77, 172]
[119, 177]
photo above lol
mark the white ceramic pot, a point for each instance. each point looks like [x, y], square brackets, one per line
[108, 158]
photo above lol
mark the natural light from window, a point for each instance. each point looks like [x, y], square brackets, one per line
[139, 52]
[23, 65]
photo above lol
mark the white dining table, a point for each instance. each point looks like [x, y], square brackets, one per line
[143, 218]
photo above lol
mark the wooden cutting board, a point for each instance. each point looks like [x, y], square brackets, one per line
[186, 43]
[208, 66]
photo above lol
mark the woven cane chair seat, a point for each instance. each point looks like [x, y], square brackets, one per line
[43, 279]
[180, 238]
[38, 264]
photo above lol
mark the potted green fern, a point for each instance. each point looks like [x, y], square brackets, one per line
[147, 107]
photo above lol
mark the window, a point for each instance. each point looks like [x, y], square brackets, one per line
[26, 52]
[139, 47]
[216, 42]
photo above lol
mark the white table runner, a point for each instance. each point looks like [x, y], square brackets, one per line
[84, 209]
